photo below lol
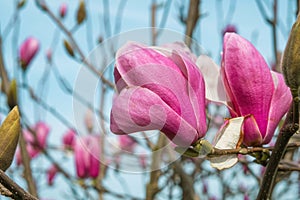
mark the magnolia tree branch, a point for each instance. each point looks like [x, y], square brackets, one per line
[15, 191]
[286, 132]
[193, 16]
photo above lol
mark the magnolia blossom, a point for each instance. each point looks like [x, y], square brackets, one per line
[248, 88]
[51, 173]
[69, 139]
[126, 143]
[230, 28]
[27, 51]
[160, 88]
[63, 10]
[87, 152]
[36, 140]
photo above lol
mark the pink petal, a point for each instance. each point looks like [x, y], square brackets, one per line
[139, 109]
[172, 87]
[94, 155]
[133, 55]
[42, 131]
[196, 87]
[81, 158]
[281, 102]
[252, 134]
[28, 49]
[248, 79]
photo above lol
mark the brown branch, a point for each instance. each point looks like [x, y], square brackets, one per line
[152, 187]
[16, 191]
[284, 136]
[24, 153]
[193, 16]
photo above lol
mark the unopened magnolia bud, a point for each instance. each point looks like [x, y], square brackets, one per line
[12, 96]
[27, 51]
[291, 59]
[21, 4]
[69, 48]
[9, 134]
[63, 10]
[81, 12]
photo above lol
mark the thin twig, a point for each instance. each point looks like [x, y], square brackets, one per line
[17, 192]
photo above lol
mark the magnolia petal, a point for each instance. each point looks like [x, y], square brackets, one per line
[229, 137]
[281, 102]
[252, 134]
[182, 46]
[170, 85]
[139, 109]
[247, 78]
[94, 154]
[215, 90]
[196, 87]
[81, 158]
[133, 55]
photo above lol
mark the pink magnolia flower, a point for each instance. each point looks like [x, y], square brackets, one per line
[254, 92]
[51, 173]
[230, 28]
[160, 88]
[63, 10]
[126, 143]
[27, 51]
[69, 139]
[34, 144]
[87, 152]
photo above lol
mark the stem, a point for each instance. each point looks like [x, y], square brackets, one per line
[152, 186]
[16, 191]
[191, 21]
[284, 136]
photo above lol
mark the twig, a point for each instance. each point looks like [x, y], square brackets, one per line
[284, 136]
[75, 45]
[16, 191]
[152, 187]
[191, 21]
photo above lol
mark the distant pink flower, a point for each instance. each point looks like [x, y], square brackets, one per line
[143, 160]
[63, 10]
[230, 28]
[51, 173]
[126, 143]
[27, 51]
[34, 144]
[69, 139]
[160, 88]
[87, 153]
[49, 55]
[89, 121]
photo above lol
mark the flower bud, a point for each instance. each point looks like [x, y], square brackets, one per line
[69, 48]
[12, 96]
[21, 4]
[291, 59]
[9, 134]
[49, 55]
[63, 10]
[27, 51]
[51, 173]
[81, 12]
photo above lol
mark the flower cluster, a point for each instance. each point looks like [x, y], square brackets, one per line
[165, 88]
